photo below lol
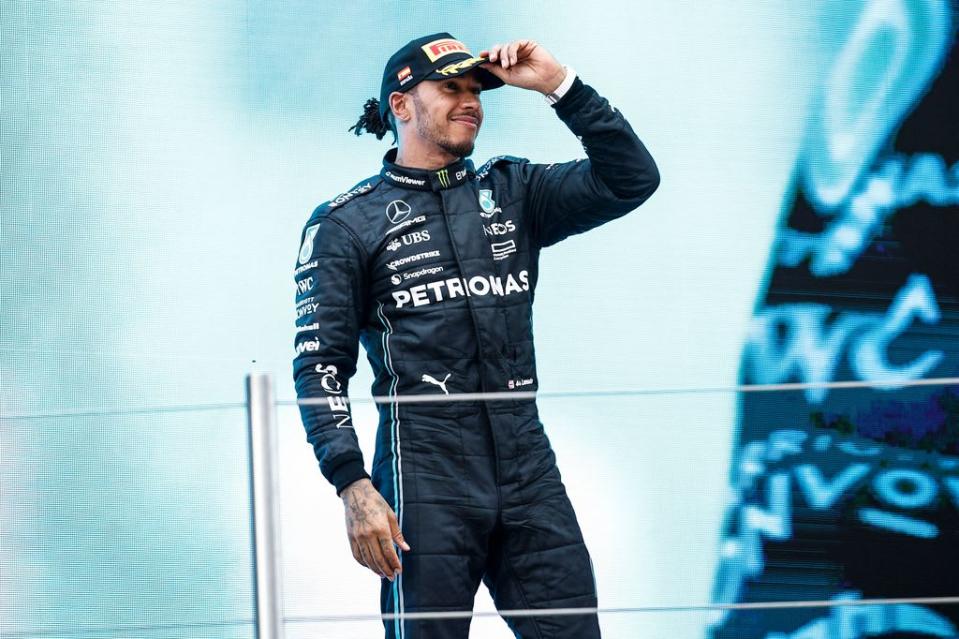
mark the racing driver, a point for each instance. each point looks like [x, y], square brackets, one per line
[432, 265]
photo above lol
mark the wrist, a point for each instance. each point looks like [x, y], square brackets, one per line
[555, 80]
[352, 486]
[559, 90]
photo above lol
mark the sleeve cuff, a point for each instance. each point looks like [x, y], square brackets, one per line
[563, 87]
[347, 473]
[574, 98]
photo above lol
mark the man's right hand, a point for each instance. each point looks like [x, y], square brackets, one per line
[372, 528]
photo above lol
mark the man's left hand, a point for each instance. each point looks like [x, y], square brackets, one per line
[524, 64]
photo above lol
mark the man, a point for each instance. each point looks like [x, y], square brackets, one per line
[432, 265]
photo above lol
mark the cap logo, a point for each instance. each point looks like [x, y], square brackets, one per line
[456, 66]
[405, 75]
[438, 48]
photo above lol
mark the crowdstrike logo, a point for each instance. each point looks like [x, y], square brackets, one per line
[397, 211]
[425, 294]
[395, 264]
[404, 179]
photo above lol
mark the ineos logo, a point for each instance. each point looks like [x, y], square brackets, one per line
[397, 211]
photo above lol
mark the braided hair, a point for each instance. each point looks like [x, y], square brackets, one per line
[372, 122]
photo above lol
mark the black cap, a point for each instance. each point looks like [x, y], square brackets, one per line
[433, 57]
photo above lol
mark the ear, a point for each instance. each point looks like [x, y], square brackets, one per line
[399, 105]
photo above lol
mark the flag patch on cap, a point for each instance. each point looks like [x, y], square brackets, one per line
[404, 76]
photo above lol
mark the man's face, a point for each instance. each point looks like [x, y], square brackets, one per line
[448, 113]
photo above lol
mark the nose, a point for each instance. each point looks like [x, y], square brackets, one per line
[471, 101]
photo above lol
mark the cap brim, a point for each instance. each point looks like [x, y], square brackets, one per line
[486, 79]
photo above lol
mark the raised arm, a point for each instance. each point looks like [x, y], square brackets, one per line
[572, 197]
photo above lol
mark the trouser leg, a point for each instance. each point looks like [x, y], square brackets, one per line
[440, 574]
[538, 560]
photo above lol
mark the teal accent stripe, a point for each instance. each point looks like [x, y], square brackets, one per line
[398, 604]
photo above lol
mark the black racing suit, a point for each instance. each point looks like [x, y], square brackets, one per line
[434, 271]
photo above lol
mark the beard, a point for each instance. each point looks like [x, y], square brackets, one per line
[427, 129]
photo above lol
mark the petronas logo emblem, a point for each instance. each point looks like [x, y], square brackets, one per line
[444, 177]
[486, 200]
[306, 249]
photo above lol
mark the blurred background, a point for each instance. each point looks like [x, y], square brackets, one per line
[159, 161]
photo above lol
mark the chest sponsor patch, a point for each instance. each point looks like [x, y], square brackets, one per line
[410, 259]
[425, 294]
[409, 239]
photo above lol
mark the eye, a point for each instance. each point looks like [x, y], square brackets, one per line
[451, 85]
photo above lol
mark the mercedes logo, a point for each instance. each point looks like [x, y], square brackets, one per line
[397, 211]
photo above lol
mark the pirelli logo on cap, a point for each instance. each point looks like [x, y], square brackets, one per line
[438, 48]
[405, 75]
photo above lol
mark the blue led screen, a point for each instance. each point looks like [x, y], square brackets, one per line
[161, 159]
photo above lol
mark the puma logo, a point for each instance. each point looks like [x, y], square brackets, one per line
[432, 380]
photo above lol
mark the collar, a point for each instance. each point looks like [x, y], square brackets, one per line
[448, 177]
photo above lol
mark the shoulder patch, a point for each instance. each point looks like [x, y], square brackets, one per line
[486, 168]
[360, 188]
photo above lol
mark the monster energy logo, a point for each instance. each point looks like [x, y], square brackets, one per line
[444, 177]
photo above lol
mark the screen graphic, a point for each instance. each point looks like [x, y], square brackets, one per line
[844, 494]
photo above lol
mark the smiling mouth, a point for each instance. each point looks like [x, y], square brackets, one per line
[467, 121]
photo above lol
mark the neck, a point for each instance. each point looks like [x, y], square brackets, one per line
[416, 153]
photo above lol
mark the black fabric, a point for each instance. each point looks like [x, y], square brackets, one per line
[435, 272]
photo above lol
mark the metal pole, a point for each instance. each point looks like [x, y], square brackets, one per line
[264, 485]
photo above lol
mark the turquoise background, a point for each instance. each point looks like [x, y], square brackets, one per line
[159, 162]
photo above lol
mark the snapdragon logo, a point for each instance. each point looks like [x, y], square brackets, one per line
[425, 294]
